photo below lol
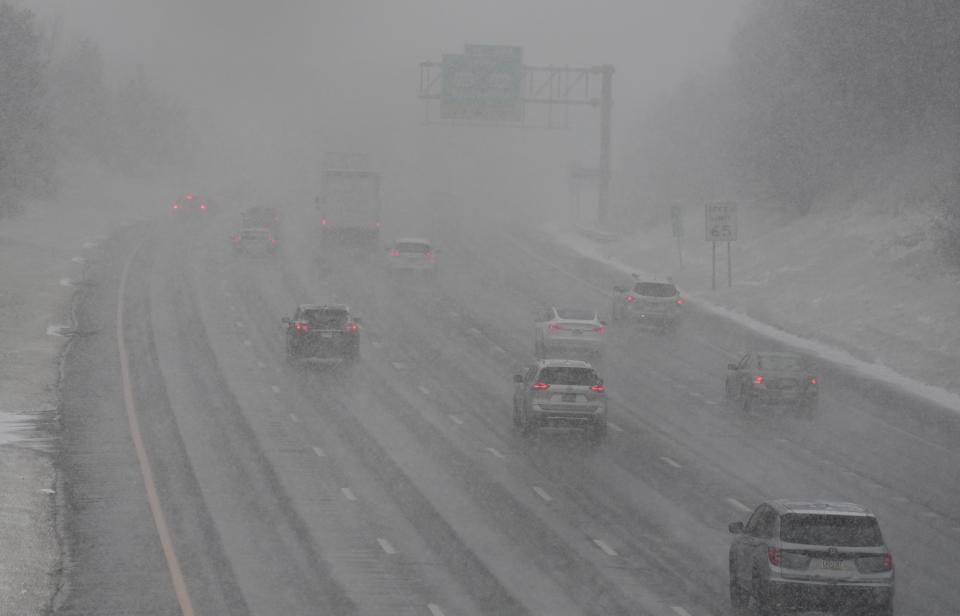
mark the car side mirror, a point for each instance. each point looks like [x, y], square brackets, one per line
[731, 366]
[518, 378]
[735, 528]
[285, 320]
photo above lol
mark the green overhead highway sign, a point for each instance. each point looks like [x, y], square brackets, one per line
[483, 83]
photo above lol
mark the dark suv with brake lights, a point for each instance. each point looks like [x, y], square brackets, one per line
[810, 555]
[767, 378]
[320, 331]
[654, 304]
[559, 393]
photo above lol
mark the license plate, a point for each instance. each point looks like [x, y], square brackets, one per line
[833, 565]
[577, 332]
[326, 334]
[569, 398]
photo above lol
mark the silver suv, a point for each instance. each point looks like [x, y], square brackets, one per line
[810, 555]
[560, 393]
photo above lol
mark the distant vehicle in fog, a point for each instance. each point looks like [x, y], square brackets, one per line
[254, 242]
[413, 255]
[262, 217]
[190, 207]
[810, 555]
[648, 303]
[560, 393]
[768, 378]
[323, 331]
[573, 331]
[349, 202]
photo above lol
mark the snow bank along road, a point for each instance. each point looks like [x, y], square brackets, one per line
[397, 485]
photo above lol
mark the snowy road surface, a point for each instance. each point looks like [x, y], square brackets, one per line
[397, 486]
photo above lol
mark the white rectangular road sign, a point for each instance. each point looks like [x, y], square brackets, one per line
[721, 221]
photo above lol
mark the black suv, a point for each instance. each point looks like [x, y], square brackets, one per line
[321, 331]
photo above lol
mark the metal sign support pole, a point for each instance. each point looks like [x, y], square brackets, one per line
[680, 249]
[606, 108]
[713, 283]
[729, 267]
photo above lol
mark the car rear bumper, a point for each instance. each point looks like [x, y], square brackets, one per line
[774, 397]
[652, 318]
[324, 347]
[819, 595]
[556, 415]
[571, 344]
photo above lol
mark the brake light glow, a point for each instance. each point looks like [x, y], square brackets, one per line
[758, 380]
[813, 380]
[273, 240]
[888, 562]
[350, 328]
[600, 329]
[631, 299]
[323, 222]
[554, 327]
[203, 206]
[394, 252]
[679, 301]
[430, 256]
[774, 556]
[175, 206]
[301, 327]
[540, 386]
[598, 388]
[189, 197]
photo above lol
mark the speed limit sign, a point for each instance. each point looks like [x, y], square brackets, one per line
[721, 222]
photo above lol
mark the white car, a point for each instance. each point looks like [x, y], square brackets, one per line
[576, 331]
[410, 254]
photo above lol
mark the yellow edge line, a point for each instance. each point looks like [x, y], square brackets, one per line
[173, 565]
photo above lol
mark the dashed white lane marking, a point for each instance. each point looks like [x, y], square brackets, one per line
[348, 494]
[376, 344]
[275, 389]
[495, 452]
[47, 491]
[260, 364]
[455, 420]
[609, 551]
[614, 427]
[294, 418]
[423, 390]
[247, 343]
[385, 546]
[672, 463]
[56, 330]
[239, 323]
[89, 245]
[399, 365]
[542, 494]
[738, 505]
[473, 331]
[679, 610]
[319, 452]
[66, 282]
[498, 349]
[80, 260]
[435, 609]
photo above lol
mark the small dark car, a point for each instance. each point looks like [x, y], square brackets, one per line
[772, 379]
[323, 331]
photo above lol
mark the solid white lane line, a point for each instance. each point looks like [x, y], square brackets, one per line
[319, 452]
[435, 609]
[424, 390]
[679, 610]
[542, 494]
[738, 505]
[609, 551]
[614, 427]
[348, 494]
[456, 420]
[499, 350]
[294, 418]
[275, 389]
[385, 546]
[672, 463]
[495, 452]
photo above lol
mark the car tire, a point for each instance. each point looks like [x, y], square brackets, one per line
[539, 350]
[526, 423]
[739, 598]
[597, 432]
[516, 415]
[747, 401]
[884, 610]
[763, 601]
[728, 394]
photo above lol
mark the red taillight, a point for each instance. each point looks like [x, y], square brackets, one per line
[323, 222]
[555, 327]
[540, 386]
[301, 327]
[272, 239]
[758, 380]
[631, 299]
[203, 206]
[430, 256]
[813, 380]
[888, 562]
[350, 328]
[679, 301]
[394, 252]
[175, 206]
[598, 388]
[773, 555]
[600, 329]
[235, 238]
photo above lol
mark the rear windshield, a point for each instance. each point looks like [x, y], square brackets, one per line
[832, 530]
[416, 247]
[576, 315]
[562, 375]
[255, 235]
[780, 362]
[655, 289]
[325, 317]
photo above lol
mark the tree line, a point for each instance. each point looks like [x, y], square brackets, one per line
[57, 107]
